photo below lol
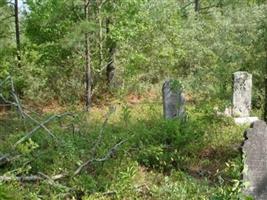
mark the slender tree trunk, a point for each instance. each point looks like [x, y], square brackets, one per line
[101, 56]
[110, 70]
[88, 75]
[197, 5]
[265, 82]
[16, 9]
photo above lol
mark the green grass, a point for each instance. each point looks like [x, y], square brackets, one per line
[196, 159]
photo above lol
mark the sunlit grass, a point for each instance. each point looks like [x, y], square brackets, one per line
[161, 159]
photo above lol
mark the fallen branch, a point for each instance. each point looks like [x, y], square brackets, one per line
[27, 115]
[100, 136]
[42, 176]
[13, 91]
[184, 7]
[39, 177]
[109, 154]
[59, 176]
[39, 126]
[36, 178]
[18, 105]
[31, 178]
[4, 81]
[51, 180]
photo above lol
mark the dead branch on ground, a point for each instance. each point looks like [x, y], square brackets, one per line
[100, 136]
[109, 154]
[17, 103]
[28, 135]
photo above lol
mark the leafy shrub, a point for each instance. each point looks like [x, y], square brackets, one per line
[161, 143]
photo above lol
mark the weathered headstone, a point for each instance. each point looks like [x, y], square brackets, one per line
[173, 100]
[242, 94]
[255, 161]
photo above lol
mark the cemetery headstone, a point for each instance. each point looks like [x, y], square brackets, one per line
[173, 100]
[255, 161]
[242, 94]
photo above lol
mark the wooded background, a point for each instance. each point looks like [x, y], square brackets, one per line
[55, 49]
[76, 55]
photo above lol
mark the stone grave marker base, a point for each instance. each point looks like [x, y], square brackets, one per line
[245, 120]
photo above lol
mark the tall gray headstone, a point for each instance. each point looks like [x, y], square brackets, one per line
[242, 94]
[255, 161]
[173, 100]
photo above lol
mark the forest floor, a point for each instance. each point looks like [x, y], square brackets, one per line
[156, 159]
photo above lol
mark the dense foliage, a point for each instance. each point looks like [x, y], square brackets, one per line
[129, 47]
[198, 159]
[154, 40]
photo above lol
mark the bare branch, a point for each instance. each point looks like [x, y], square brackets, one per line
[20, 178]
[34, 178]
[27, 115]
[109, 154]
[19, 106]
[100, 136]
[16, 98]
[39, 126]
[190, 3]
[58, 177]
[6, 18]
[42, 125]
[4, 81]
[24, 114]
[52, 180]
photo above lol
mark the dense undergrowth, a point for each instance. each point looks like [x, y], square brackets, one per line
[194, 159]
[134, 45]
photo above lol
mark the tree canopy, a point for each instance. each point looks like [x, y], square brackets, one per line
[97, 53]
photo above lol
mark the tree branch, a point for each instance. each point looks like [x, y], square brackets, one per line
[100, 136]
[19, 106]
[16, 98]
[39, 126]
[190, 3]
[109, 154]
[5, 18]
[30, 178]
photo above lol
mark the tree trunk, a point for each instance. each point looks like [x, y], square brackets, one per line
[265, 82]
[101, 56]
[197, 5]
[110, 70]
[88, 75]
[16, 10]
